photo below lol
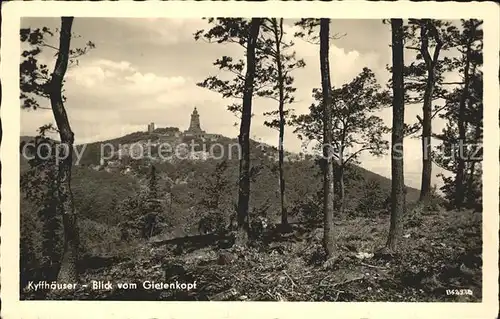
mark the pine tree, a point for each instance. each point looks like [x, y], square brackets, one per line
[243, 86]
[397, 174]
[460, 151]
[278, 51]
[424, 82]
[328, 177]
[356, 128]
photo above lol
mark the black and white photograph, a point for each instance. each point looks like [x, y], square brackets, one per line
[251, 158]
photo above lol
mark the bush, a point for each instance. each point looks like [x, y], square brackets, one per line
[96, 238]
[258, 226]
[212, 221]
[434, 202]
[473, 191]
[30, 245]
[310, 210]
[373, 200]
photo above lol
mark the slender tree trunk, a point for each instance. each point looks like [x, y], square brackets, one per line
[430, 62]
[244, 137]
[328, 180]
[462, 129]
[471, 199]
[470, 183]
[397, 173]
[341, 188]
[426, 140]
[68, 271]
[281, 87]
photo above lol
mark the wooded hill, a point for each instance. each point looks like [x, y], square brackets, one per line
[98, 193]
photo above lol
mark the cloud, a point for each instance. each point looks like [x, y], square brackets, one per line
[150, 83]
[108, 77]
[121, 66]
[31, 120]
[90, 76]
[344, 64]
[164, 31]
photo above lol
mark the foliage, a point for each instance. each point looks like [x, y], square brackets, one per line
[98, 239]
[308, 31]
[355, 127]
[39, 186]
[145, 212]
[310, 209]
[215, 186]
[212, 221]
[216, 208]
[440, 35]
[467, 150]
[277, 51]
[428, 38]
[35, 75]
[31, 238]
[235, 31]
[373, 199]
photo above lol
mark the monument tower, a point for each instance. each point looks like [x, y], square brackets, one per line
[194, 126]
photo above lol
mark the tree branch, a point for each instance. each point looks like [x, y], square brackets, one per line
[50, 46]
[353, 155]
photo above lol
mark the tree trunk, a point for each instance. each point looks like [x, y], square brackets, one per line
[328, 186]
[397, 173]
[68, 272]
[281, 87]
[430, 62]
[426, 140]
[462, 129]
[471, 199]
[341, 191]
[425, 183]
[470, 183]
[244, 137]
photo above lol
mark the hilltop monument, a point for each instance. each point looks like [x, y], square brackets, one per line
[194, 130]
[194, 126]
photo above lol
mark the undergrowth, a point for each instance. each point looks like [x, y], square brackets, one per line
[439, 250]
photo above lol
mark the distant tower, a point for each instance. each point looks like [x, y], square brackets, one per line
[194, 126]
[151, 127]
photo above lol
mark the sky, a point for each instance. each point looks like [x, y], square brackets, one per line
[145, 70]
